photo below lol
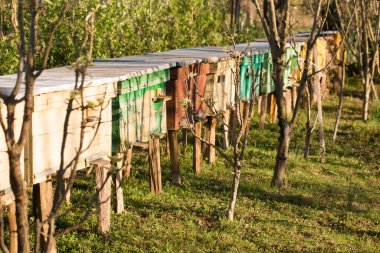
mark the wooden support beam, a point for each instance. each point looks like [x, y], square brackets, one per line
[263, 110]
[174, 157]
[294, 95]
[226, 123]
[103, 188]
[127, 162]
[184, 136]
[43, 192]
[288, 102]
[12, 227]
[197, 148]
[118, 189]
[273, 108]
[155, 165]
[206, 137]
[211, 129]
[68, 195]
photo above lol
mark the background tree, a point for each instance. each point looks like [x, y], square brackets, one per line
[276, 22]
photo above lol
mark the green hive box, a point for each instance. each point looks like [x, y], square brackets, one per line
[266, 83]
[245, 79]
[291, 67]
[137, 111]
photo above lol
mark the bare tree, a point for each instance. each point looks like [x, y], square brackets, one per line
[23, 95]
[365, 43]
[275, 20]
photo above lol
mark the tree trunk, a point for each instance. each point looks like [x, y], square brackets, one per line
[282, 155]
[12, 228]
[234, 191]
[320, 122]
[284, 139]
[21, 199]
[367, 91]
[226, 121]
[308, 118]
[342, 81]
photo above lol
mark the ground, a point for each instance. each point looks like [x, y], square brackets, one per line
[331, 207]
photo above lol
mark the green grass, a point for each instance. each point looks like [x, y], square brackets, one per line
[331, 207]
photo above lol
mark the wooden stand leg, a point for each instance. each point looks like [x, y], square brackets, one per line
[212, 132]
[44, 191]
[273, 111]
[288, 102]
[155, 166]
[118, 178]
[206, 137]
[167, 151]
[184, 136]
[263, 110]
[197, 152]
[127, 162]
[174, 157]
[103, 187]
[68, 195]
[12, 228]
[294, 95]
[226, 121]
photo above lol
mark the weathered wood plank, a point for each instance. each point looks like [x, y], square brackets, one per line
[103, 188]
[174, 157]
[155, 166]
[43, 199]
[118, 179]
[197, 148]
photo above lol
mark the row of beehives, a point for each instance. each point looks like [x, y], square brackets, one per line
[141, 97]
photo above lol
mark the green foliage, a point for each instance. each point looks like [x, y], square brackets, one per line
[125, 27]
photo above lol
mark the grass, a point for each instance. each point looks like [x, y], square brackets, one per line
[331, 207]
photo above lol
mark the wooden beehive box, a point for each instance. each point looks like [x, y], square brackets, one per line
[220, 90]
[139, 110]
[5, 187]
[182, 85]
[43, 151]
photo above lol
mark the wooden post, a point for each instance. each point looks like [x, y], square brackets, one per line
[226, 121]
[174, 157]
[206, 137]
[294, 95]
[155, 165]
[263, 110]
[197, 146]
[184, 136]
[273, 111]
[211, 132]
[127, 162]
[167, 146]
[103, 188]
[68, 195]
[44, 193]
[12, 227]
[288, 102]
[118, 178]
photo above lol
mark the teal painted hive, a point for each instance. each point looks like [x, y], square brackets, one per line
[267, 85]
[245, 79]
[137, 111]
